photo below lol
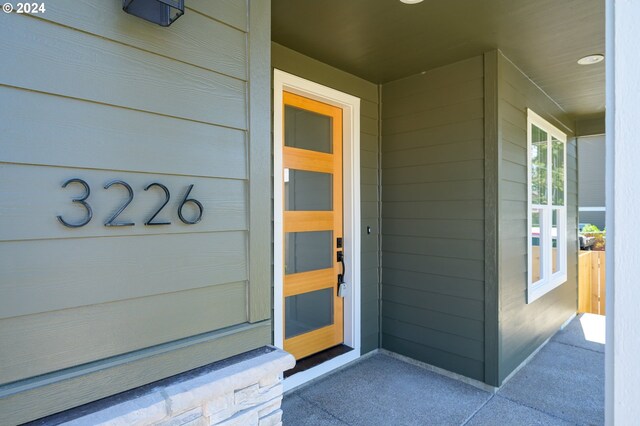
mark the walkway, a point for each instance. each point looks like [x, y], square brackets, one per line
[562, 385]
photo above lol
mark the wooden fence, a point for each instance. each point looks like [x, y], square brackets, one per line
[591, 282]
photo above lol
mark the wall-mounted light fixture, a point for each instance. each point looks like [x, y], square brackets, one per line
[161, 12]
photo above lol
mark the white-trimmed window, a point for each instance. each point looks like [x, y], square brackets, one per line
[547, 222]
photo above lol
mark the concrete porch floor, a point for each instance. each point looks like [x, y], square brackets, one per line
[562, 385]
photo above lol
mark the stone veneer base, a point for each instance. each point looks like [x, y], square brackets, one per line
[242, 390]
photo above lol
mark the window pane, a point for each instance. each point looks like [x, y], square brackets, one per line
[539, 148]
[308, 311]
[536, 238]
[557, 170]
[307, 130]
[555, 252]
[308, 191]
[308, 251]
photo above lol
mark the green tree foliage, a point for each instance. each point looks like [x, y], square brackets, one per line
[590, 230]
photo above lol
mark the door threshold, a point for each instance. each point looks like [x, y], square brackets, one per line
[317, 359]
[300, 378]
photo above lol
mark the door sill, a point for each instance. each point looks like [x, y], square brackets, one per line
[317, 359]
[326, 367]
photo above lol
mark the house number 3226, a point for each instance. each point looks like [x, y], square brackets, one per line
[111, 221]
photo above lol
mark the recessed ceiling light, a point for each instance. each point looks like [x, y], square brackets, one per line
[411, 1]
[591, 59]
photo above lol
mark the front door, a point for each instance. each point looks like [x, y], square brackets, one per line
[312, 225]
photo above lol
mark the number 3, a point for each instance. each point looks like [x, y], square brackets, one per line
[81, 200]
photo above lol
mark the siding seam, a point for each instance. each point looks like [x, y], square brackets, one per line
[244, 30]
[434, 348]
[111, 40]
[26, 89]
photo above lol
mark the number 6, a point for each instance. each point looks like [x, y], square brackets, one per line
[190, 200]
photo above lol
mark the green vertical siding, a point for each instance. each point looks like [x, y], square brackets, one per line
[295, 63]
[524, 327]
[433, 217]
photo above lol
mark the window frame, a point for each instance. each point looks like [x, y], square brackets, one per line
[548, 280]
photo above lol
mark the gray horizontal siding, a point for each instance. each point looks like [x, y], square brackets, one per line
[524, 327]
[434, 228]
[438, 321]
[457, 131]
[30, 269]
[58, 137]
[205, 41]
[83, 334]
[32, 214]
[447, 342]
[128, 371]
[434, 117]
[433, 217]
[439, 247]
[444, 359]
[92, 65]
[115, 97]
[432, 300]
[231, 12]
[295, 63]
[440, 284]
[455, 209]
[98, 101]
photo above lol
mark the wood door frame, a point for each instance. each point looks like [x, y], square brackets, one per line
[350, 105]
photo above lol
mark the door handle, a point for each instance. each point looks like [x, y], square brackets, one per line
[342, 287]
[344, 269]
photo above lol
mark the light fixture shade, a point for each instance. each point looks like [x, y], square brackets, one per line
[161, 12]
[591, 59]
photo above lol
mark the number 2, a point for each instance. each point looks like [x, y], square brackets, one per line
[110, 221]
[166, 200]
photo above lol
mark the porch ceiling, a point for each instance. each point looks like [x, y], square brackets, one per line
[384, 40]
